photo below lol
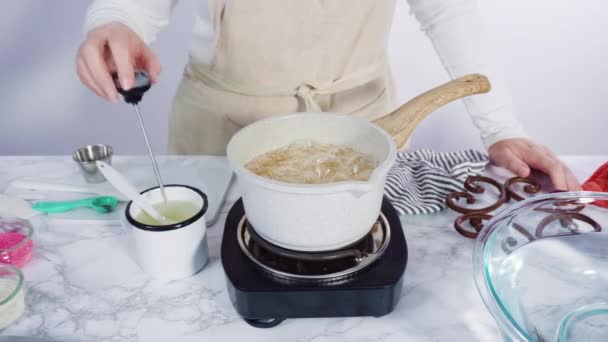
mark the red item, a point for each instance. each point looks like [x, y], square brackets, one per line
[17, 257]
[598, 182]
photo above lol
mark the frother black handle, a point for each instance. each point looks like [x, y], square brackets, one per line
[141, 85]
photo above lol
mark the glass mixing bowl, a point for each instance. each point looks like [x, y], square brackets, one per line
[541, 268]
[12, 298]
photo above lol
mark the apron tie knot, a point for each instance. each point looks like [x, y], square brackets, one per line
[306, 92]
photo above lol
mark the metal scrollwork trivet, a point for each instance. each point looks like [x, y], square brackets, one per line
[531, 187]
[567, 212]
[471, 184]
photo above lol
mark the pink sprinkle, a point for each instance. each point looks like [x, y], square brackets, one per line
[18, 257]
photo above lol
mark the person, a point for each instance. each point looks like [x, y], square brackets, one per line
[250, 59]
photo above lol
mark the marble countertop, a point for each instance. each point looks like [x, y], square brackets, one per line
[83, 284]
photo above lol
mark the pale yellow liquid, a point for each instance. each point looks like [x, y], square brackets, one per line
[176, 211]
[313, 163]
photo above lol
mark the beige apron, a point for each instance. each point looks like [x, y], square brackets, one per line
[275, 57]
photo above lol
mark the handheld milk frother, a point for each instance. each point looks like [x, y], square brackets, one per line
[133, 96]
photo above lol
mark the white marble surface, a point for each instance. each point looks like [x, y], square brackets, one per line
[83, 284]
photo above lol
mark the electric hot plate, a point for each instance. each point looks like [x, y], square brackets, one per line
[268, 284]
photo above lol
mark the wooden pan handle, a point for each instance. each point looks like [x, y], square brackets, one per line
[401, 122]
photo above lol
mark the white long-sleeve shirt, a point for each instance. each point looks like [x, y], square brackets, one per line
[454, 27]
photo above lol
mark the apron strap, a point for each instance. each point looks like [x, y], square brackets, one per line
[306, 91]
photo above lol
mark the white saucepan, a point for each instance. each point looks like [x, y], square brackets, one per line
[322, 217]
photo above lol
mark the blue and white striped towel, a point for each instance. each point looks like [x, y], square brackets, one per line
[420, 180]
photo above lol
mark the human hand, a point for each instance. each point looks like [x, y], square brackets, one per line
[113, 47]
[520, 155]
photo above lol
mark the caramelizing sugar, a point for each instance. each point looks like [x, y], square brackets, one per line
[311, 162]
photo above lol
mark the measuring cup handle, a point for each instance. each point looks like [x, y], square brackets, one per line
[58, 207]
[128, 190]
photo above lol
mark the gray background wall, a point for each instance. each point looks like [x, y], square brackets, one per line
[554, 52]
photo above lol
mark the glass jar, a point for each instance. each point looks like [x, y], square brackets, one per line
[12, 298]
[16, 244]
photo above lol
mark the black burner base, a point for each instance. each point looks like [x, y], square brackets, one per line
[264, 323]
[264, 302]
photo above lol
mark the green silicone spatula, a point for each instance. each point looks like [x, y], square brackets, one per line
[101, 204]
